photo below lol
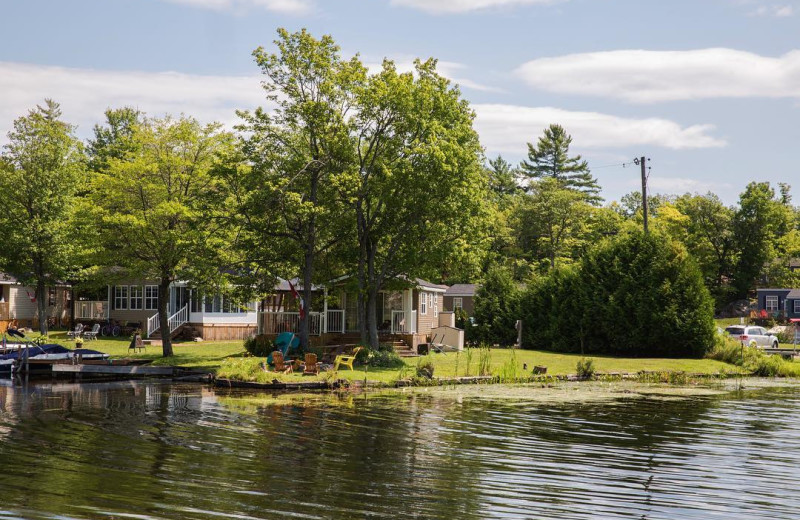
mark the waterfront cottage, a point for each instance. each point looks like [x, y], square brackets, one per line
[779, 302]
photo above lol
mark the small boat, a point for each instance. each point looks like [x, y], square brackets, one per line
[37, 354]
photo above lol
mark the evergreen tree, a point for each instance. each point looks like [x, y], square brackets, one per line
[550, 158]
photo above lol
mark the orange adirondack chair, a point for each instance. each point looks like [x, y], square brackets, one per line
[311, 367]
[280, 363]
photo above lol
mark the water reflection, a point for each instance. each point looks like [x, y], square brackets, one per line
[181, 451]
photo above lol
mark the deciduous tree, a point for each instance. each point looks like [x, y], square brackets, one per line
[41, 170]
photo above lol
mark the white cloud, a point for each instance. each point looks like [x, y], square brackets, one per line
[85, 94]
[295, 7]
[451, 70]
[463, 6]
[507, 129]
[774, 10]
[652, 76]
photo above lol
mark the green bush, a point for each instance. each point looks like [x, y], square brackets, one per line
[425, 369]
[635, 295]
[381, 358]
[259, 346]
[585, 368]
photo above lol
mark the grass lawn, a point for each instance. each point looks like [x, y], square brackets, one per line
[228, 359]
[206, 354]
[500, 362]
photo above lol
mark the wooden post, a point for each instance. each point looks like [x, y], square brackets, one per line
[519, 333]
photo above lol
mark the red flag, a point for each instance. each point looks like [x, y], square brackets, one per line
[31, 296]
[299, 300]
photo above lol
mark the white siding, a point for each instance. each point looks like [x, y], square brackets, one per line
[20, 305]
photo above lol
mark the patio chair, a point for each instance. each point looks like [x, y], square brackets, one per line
[92, 334]
[346, 360]
[280, 364]
[311, 368]
[72, 334]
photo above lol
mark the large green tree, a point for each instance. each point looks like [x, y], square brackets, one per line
[289, 191]
[418, 188]
[710, 239]
[759, 222]
[553, 222]
[41, 170]
[550, 158]
[156, 206]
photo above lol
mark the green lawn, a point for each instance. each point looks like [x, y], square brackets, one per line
[228, 359]
[206, 354]
[501, 362]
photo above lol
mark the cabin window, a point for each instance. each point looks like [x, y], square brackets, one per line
[458, 303]
[136, 297]
[797, 306]
[151, 297]
[121, 297]
[772, 303]
[51, 296]
[423, 303]
[435, 303]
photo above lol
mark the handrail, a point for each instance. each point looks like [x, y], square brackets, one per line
[173, 322]
[153, 324]
[178, 319]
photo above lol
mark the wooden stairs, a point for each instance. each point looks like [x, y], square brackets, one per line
[398, 344]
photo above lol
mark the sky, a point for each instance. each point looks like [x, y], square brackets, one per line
[708, 90]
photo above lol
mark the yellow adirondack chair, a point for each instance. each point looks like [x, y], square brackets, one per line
[346, 359]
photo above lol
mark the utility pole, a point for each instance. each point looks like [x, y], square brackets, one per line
[641, 162]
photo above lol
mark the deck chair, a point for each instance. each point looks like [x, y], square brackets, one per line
[280, 363]
[72, 334]
[92, 334]
[345, 359]
[311, 368]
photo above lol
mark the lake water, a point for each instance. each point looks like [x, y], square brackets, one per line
[147, 450]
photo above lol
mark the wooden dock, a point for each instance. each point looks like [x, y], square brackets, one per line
[117, 370]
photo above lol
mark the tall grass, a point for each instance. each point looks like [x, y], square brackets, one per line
[752, 359]
[484, 361]
[467, 360]
[508, 372]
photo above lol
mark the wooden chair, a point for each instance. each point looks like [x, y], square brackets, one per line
[280, 364]
[346, 360]
[311, 368]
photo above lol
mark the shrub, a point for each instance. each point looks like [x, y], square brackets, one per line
[636, 295]
[381, 358]
[585, 368]
[425, 368]
[259, 346]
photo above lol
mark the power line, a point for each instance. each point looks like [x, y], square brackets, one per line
[618, 165]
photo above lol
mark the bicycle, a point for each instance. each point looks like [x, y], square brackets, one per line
[110, 328]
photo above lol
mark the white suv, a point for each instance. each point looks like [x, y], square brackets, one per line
[752, 336]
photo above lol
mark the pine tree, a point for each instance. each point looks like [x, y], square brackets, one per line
[550, 158]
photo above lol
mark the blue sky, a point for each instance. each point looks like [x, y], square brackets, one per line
[708, 89]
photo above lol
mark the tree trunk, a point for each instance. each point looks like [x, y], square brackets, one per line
[41, 304]
[372, 318]
[305, 321]
[163, 316]
[372, 300]
[363, 299]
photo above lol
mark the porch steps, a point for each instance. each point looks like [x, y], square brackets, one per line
[400, 347]
[174, 334]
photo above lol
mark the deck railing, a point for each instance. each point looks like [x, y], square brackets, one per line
[91, 310]
[334, 321]
[403, 323]
[275, 322]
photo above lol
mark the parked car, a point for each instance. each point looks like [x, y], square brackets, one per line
[752, 336]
